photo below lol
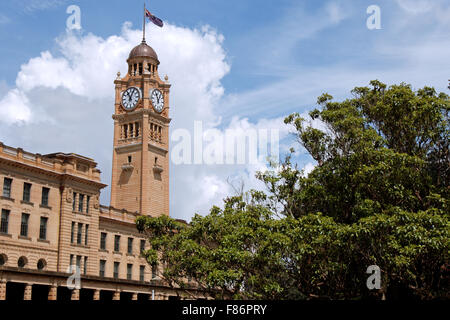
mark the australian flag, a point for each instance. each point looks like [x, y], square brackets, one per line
[153, 18]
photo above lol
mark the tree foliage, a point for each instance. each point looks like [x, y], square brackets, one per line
[378, 196]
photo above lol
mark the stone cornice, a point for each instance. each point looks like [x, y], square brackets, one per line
[126, 116]
[61, 176]
[30, 246]
[116, 221]
[128, 147]
[156, 148]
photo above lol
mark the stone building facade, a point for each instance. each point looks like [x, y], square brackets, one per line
[52, 224]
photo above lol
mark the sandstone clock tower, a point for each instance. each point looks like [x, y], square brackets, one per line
[140, 168]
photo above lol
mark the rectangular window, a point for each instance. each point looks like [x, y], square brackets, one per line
[85, 265]
[103, 241]
[79, 232]
[71, 263]
[79, 263]
[5, 221]
[86, 237]
[130, 245]
[116, 270]
[7, 187]
[43, 228]
[116, 243]
[72, 233]
[26, 192]
[80, 203]
[45, 192]
[153, 272]
[102, 268]
[142, 245]
[88, 198]
[74, 202]
[141, 273]
[130, 127]
[24, 225]
[129, 271]
[137, 129]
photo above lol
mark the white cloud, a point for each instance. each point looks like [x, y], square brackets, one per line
[419, 16]
[198, 187]
[36, 5]
[417, 6]
[87, 66]
[15, 107]
[335, 12]
[308, 168]
[63, 101]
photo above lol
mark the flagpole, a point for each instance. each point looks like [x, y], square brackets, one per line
[143, 27]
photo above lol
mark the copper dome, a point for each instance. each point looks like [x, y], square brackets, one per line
[143, 50]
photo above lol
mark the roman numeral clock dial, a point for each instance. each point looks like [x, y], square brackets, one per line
[157, 100]
[130, 98]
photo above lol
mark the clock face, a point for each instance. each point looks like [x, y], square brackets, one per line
[157, 100]
[130, 98]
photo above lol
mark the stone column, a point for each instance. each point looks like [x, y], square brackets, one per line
[75, 294]
[116, 295]
[96, 294]
[160, 296]
[135, 296]
[27, 292]
[52, 293]
[2, 289]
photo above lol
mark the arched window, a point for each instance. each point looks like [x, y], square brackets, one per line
[125, 131]
[41, 264]
[3, 259]
[22, 262]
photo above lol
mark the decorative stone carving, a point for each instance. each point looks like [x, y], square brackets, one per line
[116, 295]
[27, 292]
[96, 202]
[75, 294]
[52, 293]
[69, 195]
[96, 295]
[2, 289]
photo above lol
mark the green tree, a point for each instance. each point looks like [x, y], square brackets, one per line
[378, 196]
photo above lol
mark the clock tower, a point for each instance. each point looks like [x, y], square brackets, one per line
[140, 168]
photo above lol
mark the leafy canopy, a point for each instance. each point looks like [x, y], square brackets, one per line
[378, 195]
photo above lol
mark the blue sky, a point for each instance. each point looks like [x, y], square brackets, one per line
[39, 22]
[256, 62]
[250, 27]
